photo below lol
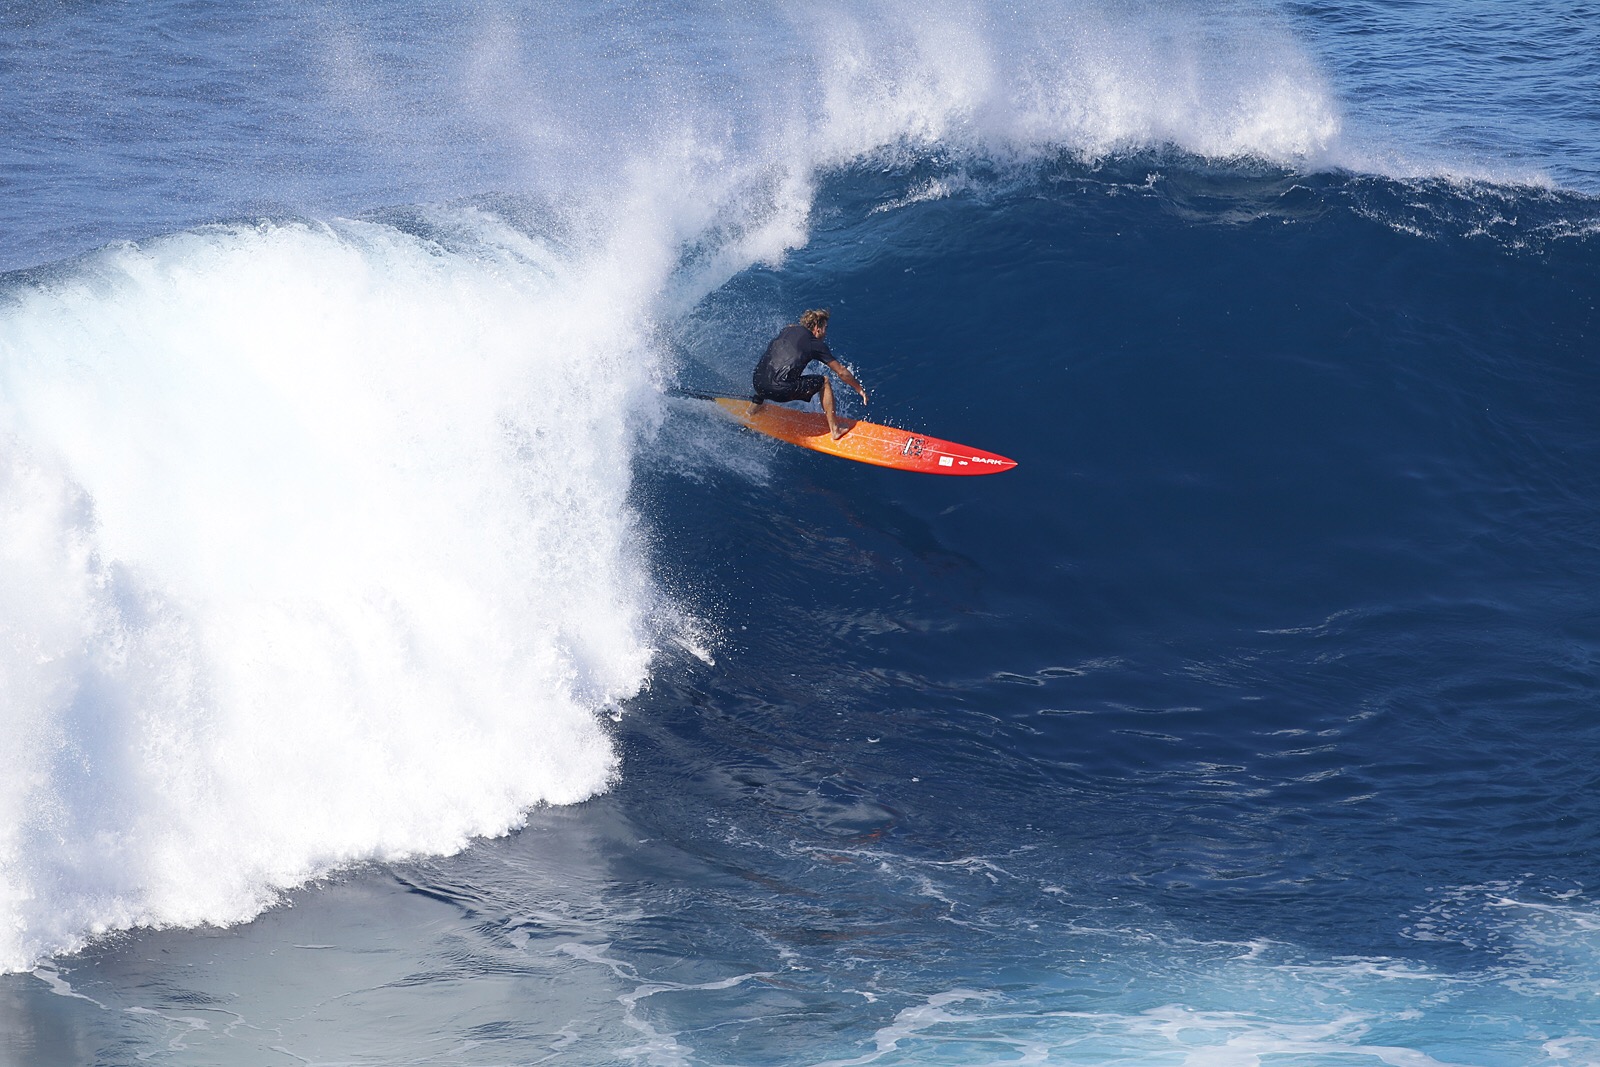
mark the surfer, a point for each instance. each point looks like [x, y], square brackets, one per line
[778, 376]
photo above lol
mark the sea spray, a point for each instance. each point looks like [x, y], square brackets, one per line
[489, 99]
[316, 549]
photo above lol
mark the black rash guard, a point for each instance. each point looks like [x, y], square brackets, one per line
[778, 377]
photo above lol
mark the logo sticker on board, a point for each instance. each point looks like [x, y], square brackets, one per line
[913, 446]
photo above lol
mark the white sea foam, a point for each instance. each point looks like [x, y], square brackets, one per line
[315, 549]
[1252, 1008]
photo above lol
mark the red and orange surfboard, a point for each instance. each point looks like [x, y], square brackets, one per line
[864, 442]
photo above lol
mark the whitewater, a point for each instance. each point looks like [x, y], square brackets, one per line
[354, 558]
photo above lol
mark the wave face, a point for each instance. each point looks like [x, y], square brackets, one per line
[345, 523]
[1246, 720]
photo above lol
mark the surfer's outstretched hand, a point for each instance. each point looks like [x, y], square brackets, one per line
[863, 393]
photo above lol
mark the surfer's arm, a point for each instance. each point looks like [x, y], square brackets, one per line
[847, 378]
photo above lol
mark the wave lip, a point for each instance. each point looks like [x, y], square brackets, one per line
[304, 565]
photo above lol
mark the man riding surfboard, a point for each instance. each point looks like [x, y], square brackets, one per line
[779, 375]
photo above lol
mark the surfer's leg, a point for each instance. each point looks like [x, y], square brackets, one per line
[756, 389]
[827, 409]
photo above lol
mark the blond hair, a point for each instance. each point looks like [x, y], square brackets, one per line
[814, 318]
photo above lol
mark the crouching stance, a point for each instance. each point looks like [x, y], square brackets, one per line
[780, 374]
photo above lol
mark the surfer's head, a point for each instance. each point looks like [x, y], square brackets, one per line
[815, 320]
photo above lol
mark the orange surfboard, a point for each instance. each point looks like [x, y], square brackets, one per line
[864, 442]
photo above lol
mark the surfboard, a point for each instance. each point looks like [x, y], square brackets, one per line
[864, 442]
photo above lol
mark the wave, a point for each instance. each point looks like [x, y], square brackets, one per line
[320, 545]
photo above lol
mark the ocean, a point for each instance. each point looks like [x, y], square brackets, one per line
[394, 670]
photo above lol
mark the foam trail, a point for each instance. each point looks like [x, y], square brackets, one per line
[305, 560]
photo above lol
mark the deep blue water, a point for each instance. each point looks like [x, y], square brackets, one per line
[396, 674]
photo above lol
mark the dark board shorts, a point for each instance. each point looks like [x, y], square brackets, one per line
[802, 388]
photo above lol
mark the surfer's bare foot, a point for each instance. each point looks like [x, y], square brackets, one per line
[838, 431]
